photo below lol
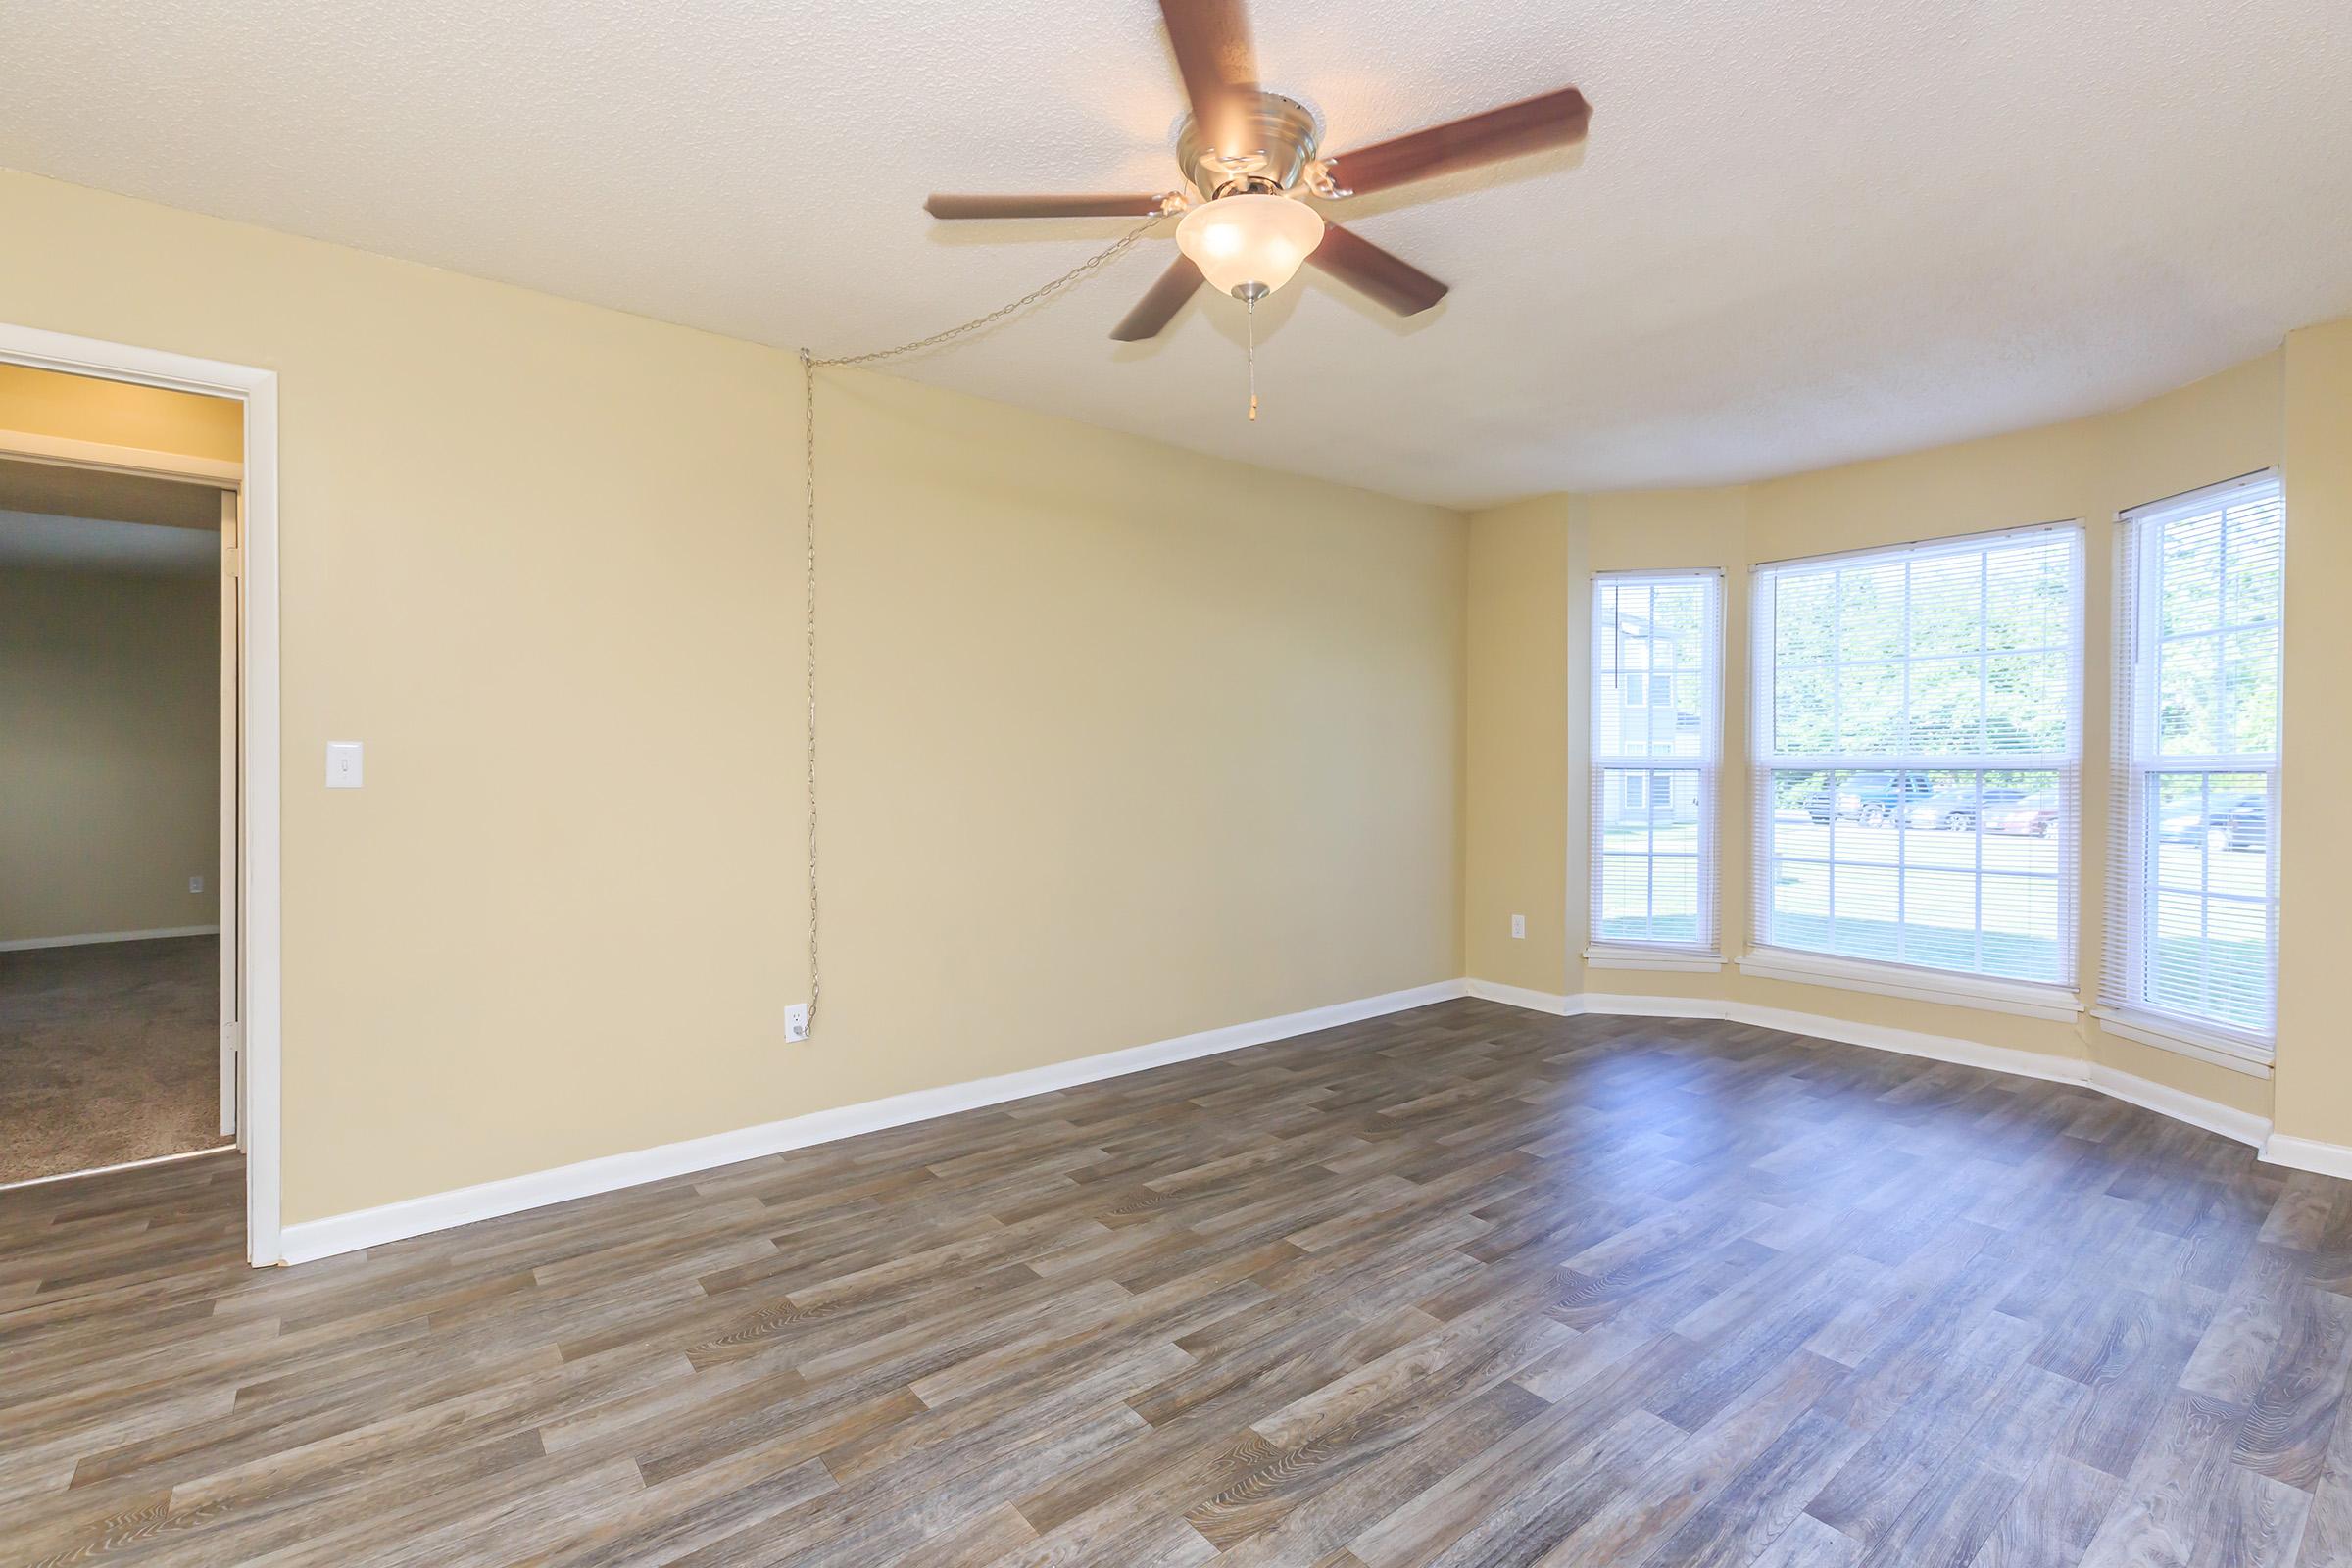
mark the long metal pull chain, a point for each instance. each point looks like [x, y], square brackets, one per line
[1250, 311]
[808, 495]
[808, 366]
[1035, 296]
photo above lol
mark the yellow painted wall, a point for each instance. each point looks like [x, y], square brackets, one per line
[1120, 742]
[110, 752]
[1516, 749]
[2315, 1023]
[83, 407]
[2085, 471]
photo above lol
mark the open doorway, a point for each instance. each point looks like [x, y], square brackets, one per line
[121, 915]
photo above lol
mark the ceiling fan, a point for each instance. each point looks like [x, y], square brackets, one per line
[1249, 155]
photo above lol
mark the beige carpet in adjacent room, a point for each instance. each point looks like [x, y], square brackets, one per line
[109, 1051]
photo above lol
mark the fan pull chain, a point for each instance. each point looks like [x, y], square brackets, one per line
[810, 365]
[1251, 310]
[1035, 296]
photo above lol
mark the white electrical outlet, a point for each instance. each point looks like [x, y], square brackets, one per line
[195, 884]
[1519, 925]
[796, 1021]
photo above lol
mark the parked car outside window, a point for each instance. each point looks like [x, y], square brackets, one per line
[2248, 825]
[2031, 816]
[2190, 823]
[1955, 810]
[1869, 798]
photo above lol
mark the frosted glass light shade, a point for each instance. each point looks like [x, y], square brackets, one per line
[1240, 241]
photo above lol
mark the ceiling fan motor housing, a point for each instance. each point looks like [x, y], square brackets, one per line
[1278, 142]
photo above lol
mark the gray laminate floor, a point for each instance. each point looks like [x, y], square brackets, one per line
[1463, 1286]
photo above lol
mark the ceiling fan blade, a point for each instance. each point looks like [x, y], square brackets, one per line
[1552, 119]
[1045, 206]
[1385, 277]
[1211, 39]
[1160, 303]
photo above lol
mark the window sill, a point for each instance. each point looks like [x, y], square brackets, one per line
[1686, 961]
[2184, 1039]
[2021, 996]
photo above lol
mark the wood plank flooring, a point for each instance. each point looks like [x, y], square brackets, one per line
[1466, 1286]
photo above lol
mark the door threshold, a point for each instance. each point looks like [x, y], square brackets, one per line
[128, 1164]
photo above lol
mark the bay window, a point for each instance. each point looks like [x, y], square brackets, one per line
[1918, 765]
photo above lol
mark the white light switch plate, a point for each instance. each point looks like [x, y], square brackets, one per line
[344, 766]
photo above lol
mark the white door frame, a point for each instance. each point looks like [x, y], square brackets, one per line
[263, 1020]
[229, 888]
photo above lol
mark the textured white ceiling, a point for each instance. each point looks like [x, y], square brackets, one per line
[1803, 231]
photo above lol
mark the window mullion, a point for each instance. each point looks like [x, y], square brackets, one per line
[1649, 857]
[1901, 779]
[2205, 895]
[1976, 820]
[1835, 779]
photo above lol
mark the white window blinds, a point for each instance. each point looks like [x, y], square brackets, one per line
[2193, 929]
[1657, 721]
[1917, 734]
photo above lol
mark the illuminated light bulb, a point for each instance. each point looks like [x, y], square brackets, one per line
[1248, 246]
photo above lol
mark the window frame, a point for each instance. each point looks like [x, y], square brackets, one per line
[2138, 764]
[2031, 995]
[1705, 769]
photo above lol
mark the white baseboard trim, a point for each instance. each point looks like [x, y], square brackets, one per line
[313, 1238]
[27, 944]
[2242, 1125]
[1521, 996]
[2308, 1153]
[1608, 1004]
[1913, 1043]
